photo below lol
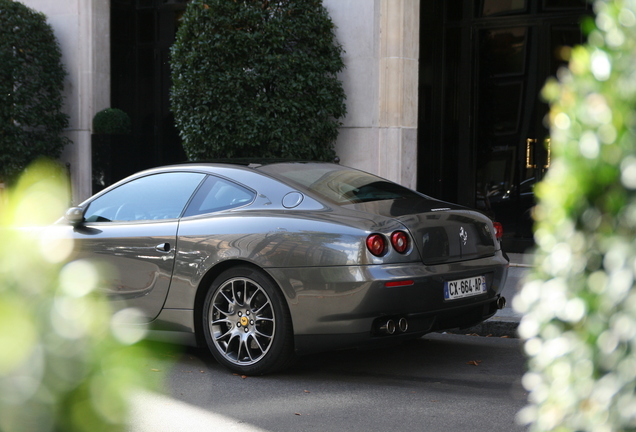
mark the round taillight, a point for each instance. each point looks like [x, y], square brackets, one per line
[400, 241]
[498, 230]
[376, 244]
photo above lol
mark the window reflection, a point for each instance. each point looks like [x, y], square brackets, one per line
[564, 4]
[507, 100]
[499, 7]
[504, 51]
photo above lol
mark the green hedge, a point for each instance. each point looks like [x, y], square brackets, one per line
[31, 85]
[580, 303]
[257, 78]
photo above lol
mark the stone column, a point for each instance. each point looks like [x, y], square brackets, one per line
[82, 28]
[398, 85]
[381, 42]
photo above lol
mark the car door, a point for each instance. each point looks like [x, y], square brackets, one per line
[131, 233]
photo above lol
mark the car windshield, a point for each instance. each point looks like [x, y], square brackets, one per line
[338, 184]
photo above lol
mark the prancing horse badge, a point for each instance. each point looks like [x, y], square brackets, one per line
[463, 234]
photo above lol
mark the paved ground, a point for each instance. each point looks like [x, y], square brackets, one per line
[440, 382]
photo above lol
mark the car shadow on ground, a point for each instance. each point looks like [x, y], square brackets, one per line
[437, 357]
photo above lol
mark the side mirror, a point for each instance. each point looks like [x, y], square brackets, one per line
[75, 216]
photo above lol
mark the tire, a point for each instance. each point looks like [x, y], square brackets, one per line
[246, 322]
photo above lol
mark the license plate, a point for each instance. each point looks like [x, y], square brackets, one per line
[465, 287]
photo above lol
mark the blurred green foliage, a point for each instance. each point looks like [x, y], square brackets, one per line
[257, 78]
[580, 303]
[31, 85]
[63, 365]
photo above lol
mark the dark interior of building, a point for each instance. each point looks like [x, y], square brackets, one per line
[483, 140]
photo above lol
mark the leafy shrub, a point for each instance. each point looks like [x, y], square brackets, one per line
[257, 78]
[580, 303]
[31, 84]
[65, 364]
[111, 121]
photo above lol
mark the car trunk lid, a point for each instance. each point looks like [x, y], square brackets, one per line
[442, 232]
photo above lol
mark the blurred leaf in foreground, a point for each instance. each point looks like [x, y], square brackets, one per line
[580, 303]
[62, 365]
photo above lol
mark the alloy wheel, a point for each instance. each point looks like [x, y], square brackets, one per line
[242, 321]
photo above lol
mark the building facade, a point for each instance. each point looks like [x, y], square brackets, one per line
[442, 95]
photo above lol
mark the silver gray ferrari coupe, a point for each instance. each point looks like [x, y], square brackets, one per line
[263, 262]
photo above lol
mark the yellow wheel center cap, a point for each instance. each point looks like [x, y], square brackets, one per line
[244, 321]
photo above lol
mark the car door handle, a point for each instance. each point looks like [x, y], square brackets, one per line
[163, 247]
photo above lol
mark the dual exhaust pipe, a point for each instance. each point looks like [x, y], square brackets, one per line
[390, 326]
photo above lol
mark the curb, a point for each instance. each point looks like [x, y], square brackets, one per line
[498, 327]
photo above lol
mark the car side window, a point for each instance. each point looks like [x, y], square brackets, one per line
[216, 194]
[154, 197]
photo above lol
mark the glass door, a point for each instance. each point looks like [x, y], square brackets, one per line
[512, 143]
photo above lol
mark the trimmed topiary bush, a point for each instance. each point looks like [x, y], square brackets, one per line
[31, 85]
[257, 78]
[580, 303]
[111, 121]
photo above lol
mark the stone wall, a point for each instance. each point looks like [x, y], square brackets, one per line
[381, 42]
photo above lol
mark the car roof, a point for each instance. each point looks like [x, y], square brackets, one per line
[248, 162]
[241, 164]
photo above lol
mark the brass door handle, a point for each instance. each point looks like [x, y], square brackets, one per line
[530, 144]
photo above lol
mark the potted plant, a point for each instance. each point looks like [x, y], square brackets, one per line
[112, 141]
[111, 121]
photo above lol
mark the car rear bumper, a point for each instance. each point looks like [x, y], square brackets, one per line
[345, 306]
[418, 325]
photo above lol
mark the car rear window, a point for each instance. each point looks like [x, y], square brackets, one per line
[338, 184]
[216, 194]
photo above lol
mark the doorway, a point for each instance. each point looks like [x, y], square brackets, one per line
[142, 32]
[482, 88]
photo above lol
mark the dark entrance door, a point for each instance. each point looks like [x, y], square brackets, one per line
[494, 145]
[142, 32]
